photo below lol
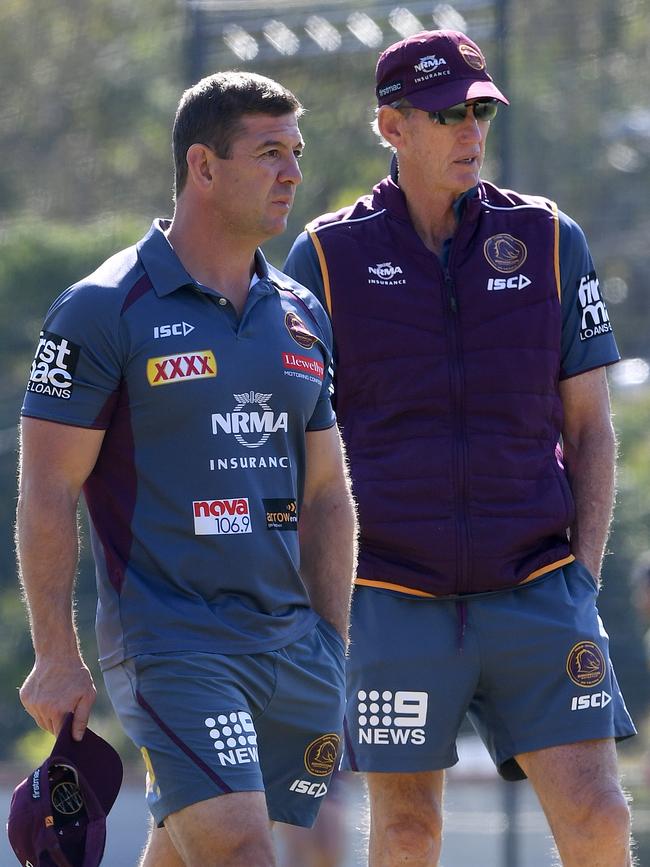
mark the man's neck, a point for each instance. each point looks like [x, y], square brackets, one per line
[219, 262]
[432, 213]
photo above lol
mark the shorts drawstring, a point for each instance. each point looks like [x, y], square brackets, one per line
[461, 613]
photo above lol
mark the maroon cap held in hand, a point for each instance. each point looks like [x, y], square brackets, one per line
[57, 816]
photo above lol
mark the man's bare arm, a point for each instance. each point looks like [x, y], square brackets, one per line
[590, 457]
[328, 529]
[55, 462]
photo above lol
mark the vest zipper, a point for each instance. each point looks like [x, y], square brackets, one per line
[459, 444]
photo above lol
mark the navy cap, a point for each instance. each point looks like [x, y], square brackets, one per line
[57, 816]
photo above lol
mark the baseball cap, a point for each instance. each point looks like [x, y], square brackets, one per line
[57, 816]
[434, 69]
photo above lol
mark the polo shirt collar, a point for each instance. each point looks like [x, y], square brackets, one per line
[166, 270]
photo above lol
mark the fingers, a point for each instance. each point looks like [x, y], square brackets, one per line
[82, 714]
[52, 691]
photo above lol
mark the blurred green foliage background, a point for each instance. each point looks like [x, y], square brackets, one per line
[88, 90]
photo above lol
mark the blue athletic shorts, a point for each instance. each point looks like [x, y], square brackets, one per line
[529, 666]
[209, 724]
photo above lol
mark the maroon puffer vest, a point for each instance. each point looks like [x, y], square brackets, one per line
[447, 390]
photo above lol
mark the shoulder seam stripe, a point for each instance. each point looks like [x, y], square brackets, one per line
[323, 270]
[556, 252]
[342, 222]
[517, 207]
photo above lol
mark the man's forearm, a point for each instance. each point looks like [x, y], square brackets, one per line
[591, 468]
[47, 548]
[328, 532]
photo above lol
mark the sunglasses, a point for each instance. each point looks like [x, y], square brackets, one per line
[484, 109]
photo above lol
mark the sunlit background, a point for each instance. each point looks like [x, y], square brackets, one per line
[88, 90]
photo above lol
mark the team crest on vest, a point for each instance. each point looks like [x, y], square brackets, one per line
[586, 665]
[505, 252]
[299, 331]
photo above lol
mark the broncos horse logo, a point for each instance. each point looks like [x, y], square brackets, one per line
[505, 253]
[320, 755]
[586, 665]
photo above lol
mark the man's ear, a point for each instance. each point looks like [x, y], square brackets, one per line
[199, 164]
[390, 123]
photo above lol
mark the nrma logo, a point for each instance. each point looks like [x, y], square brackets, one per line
[250, 427]
[428, 64]
[385, 272]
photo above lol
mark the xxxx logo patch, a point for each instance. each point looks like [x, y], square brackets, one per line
[181, 367]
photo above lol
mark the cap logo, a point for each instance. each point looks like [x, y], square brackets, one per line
[505, 253]
[428, 64]
[471, 56]
[393, 87]
[67, 798]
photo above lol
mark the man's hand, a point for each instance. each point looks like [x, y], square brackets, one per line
[53, 688]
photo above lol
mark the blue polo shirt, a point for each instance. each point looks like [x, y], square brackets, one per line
[195, 496]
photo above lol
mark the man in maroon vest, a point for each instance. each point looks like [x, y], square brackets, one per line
[472, 342]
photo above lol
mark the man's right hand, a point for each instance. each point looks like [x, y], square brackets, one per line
[55, 687]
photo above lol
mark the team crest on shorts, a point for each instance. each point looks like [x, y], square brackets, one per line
[585, 664]
[320, 755]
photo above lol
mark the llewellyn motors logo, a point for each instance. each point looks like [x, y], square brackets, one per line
[505, 253]
[386, 274]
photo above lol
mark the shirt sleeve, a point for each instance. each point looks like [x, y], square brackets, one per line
[323, 416]
[76, 372]
[587, 337]
[302, 265]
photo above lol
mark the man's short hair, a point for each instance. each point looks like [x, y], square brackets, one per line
[211, 111]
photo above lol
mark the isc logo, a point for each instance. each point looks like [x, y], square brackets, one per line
[174, 330]
[598, 699]
[305, 787]
[520, 281]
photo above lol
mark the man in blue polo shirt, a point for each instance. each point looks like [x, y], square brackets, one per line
[471, 393]
[185, 387]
